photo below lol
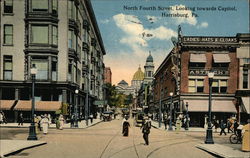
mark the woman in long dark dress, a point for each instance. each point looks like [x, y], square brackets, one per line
[125, 128]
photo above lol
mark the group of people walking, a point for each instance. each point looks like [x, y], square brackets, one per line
[2, 118]
[146, 126]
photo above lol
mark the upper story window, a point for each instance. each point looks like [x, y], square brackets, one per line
[195, 85]
[197, 60]
[40, 34]
[40, 5]
[54, 6]
[8, 6]
[54, 69]
[221, 60]
[7, 67]
[71, 9]
[245, 78]
[8, 34]
[71, 39]
[42, 68]
[54, 35]
[219, 86]
[196, 65]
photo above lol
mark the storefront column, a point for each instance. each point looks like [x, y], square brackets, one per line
[64, 96]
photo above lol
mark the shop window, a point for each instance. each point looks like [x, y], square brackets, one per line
[215, 86]
[54, 35]
[8, 6]
[7, 68]
[40, 34]
[8, 34]
[42, 68]
[245, 78]
[40, 5]
[195, 85]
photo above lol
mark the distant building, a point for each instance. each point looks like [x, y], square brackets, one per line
[137, 79]
[124, 88]
[62, 39]
[107, 75]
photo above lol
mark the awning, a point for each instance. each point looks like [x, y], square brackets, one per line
[246, 103]
[198, 58]
[23, 105]
[217, 106]
[6, 104]
[221, 58]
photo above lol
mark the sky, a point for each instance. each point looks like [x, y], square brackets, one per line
[132, 28]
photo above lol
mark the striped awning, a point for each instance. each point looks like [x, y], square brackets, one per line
[25, 105]
[217, 106]
[6, 104]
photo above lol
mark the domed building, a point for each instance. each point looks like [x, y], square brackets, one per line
[124, 88]
[137, 79]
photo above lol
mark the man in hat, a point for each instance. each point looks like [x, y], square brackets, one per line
[146, 129]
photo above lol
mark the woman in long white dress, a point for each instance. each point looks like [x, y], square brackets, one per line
[45, 124]
[61, 120]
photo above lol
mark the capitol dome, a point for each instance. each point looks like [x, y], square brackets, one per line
[139, 75]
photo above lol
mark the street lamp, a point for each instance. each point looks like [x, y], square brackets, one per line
[187, 118]
[170, 120]
[32, 129]
[209, 136]
[76, 104]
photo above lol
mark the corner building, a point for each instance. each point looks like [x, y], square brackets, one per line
[62, 39]
[185, 73]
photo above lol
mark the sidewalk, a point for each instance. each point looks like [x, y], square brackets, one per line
[221, 150]
[12, 146]
[81, 124]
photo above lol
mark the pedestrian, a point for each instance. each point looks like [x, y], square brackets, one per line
[36, 123]
[50, 119]
[146, 130]
[246, 137]
[215, 124]
[72, 119]
[125, 127]
[45, 124]
[165, 121]
[229, 126]
[20, 119]
[236, 125]
[91, 118]
[39, 118]
[61, 120]
[1, 117]
[4, 120]
[222, 127]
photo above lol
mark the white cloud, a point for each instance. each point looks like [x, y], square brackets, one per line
[104, 21]
[162, 33]
[203, 25]
[179, 20]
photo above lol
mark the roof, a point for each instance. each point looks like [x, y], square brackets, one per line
[138, 75]
[122, 82]
[150, 58]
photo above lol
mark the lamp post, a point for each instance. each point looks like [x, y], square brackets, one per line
[76, 104]
[209, 134]
[170, 120]
[32, 129]
[187, 118]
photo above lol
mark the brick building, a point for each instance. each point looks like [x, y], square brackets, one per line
[107, 75]
[185, 73]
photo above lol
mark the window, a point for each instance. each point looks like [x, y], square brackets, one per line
[195, 85]
[42, 68]
[149, 74]
[219, 86]
[40, 5]
[70, 71]
[54, 35]
[54, 6]
[245, 78]
[54, 69]
[86, 36]
[8, 6]
[7, 68]
[71, 9]
[71, 39]
[196, 65]
[40, 34]
[8, 35]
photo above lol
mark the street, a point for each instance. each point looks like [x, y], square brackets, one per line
[105, 140]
